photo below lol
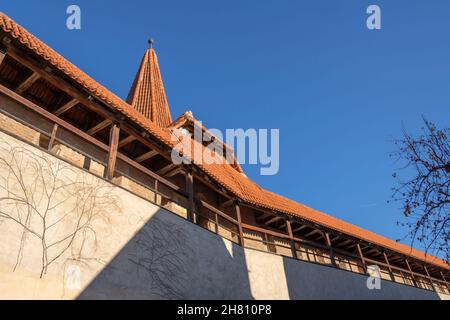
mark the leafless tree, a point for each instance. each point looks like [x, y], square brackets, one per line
[425, 194]
[51, 202]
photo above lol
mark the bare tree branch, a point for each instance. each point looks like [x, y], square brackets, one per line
[425, 194]
[39, 193]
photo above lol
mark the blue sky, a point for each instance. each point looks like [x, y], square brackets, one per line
[338, 92]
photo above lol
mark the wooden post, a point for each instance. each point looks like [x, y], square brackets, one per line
[156, 191]
[266, 242]
[429, 277]
[411, 273]
[389, 266]
[52, 137]
[445, 281]
[327, 238]
[216, 216]
[112, 155]
[239, 219]
[361, 256]
[291, 236]
[190, 191]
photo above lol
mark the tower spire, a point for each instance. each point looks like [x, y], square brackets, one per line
[147, 94]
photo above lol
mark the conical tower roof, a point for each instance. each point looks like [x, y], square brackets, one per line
[147, 94]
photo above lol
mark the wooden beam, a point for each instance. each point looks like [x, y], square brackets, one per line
[265, 216]
[389, 266]
[174, 172]
[395, 259]
[146, 156]
[228, 203]
[416, 264]
[27, 83]
[328, 241]
[291, 237]
[445, 280]
[335, 238]
[311, 233]
[215, 188]
[113, 146]
[361, 256]
[350, 246]
[282, 225]
[443, 276]
[373, 250]
[166, 169]
[98, 127]
[190, 192]
[52, 137]
[299, 228]
[126, 141]
[69, 105]
[272, 220]
[239, 220]
[429, 277]
[343, 243]
[411, 273]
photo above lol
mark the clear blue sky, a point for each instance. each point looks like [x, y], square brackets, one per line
[338, 92]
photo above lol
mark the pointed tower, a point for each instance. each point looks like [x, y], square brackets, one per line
[147, 93]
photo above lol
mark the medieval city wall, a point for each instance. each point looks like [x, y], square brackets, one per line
[66, 234]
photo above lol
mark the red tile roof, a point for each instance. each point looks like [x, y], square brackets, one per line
[187, 119]
[147, 94]
[224, 174]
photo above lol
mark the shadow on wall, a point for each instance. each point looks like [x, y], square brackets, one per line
[312, 281]
[172, 259]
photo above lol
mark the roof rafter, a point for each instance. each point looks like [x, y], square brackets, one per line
[100, 126]
[27, 83]
[72, 103]
[146, 156]
[126, 141]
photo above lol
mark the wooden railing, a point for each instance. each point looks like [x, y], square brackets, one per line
[228, 228]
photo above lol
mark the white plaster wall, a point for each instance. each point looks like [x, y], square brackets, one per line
[138, 250]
